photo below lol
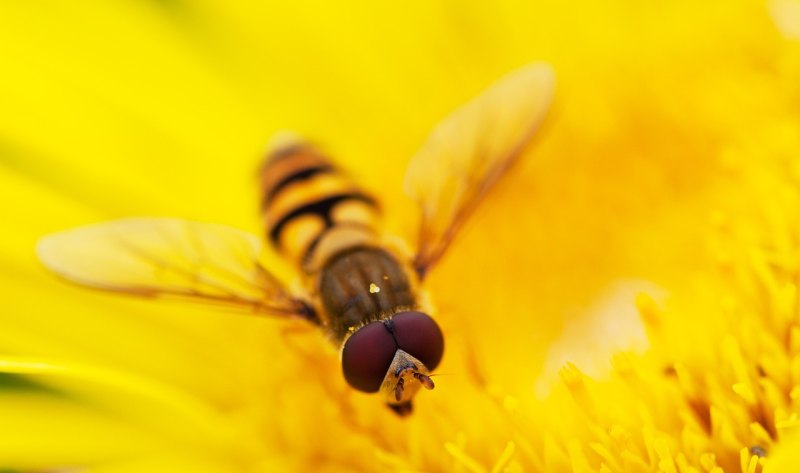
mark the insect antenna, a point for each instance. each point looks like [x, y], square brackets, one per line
[398, 390]
[426, 380]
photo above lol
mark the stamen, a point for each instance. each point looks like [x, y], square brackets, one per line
[426, 381]
[398, 390]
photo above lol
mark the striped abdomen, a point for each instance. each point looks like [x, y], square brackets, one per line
[312, 210]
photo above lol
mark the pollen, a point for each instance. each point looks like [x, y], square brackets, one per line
[374, 288]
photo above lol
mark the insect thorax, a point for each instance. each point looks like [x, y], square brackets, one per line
[360, 285]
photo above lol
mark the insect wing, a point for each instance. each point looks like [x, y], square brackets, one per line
[468, 151]
[163, 256]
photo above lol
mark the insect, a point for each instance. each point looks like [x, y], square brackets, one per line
[363, 292]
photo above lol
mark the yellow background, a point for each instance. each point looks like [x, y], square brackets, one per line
[671, 120]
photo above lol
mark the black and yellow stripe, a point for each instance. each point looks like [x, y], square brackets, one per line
[311, 209]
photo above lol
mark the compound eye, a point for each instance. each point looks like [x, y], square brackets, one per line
[366, 357]
[420, 336]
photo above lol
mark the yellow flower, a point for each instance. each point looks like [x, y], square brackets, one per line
[625, 301]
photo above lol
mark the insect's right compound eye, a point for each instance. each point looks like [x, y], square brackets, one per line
[367, 355]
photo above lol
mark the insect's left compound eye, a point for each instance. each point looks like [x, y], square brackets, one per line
[420, 336]
[366, 357]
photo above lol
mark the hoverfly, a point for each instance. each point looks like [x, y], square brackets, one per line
[363, 293]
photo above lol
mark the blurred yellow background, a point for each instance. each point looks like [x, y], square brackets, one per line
[668, 166]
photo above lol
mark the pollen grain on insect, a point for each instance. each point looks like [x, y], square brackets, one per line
[374, 288]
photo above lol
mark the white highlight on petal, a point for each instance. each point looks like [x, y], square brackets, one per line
[611, 324]
[786, 15]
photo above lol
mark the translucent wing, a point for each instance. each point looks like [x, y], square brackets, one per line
[163, 256]
[468, 151]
